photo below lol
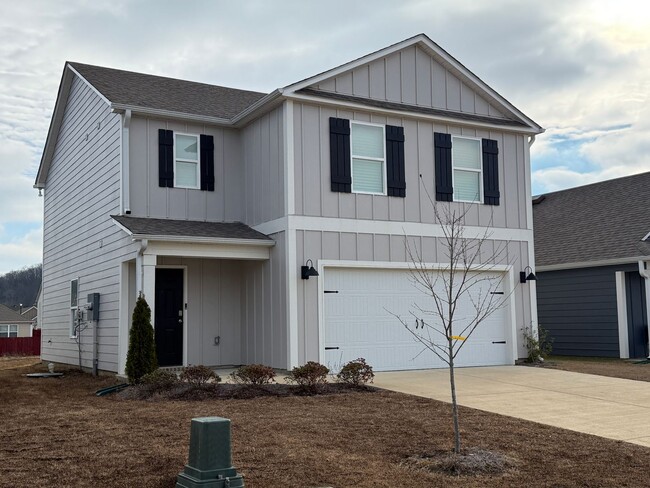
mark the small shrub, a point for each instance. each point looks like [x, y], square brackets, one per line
[253, 374]
[141, 356]
[160, 379]
[538, 347]
[311, 378]
[199, 375]
[356, 373]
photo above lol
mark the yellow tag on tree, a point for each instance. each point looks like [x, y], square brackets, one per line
[459, 338]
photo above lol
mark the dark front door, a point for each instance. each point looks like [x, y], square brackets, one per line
[637, 327]
[169, 318]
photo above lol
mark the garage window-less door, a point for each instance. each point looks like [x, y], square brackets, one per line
[357, 322]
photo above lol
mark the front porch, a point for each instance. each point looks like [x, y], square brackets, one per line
[209, 298]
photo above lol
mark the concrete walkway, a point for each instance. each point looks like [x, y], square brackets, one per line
[608, 407]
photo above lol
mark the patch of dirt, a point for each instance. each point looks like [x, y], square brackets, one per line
[629, 369]
[470, 462]
[56, 432]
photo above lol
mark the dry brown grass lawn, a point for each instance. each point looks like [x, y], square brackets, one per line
[617, 368]
[57, 433]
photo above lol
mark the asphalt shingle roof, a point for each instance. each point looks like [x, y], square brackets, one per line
[601, 221]
[189, 228]
[8, 315]
[157, 92]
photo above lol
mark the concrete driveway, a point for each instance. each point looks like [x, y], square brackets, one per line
[608, 407]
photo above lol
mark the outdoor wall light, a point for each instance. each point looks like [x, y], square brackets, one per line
[523, 278]
[308, 270]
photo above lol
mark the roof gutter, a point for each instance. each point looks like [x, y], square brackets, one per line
[204, 240]
[251, 110]
[156, 112]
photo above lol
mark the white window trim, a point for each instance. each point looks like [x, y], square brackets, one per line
[73, 310]
[7, 334]
[471, 170]
[183, 160]
[382, 160]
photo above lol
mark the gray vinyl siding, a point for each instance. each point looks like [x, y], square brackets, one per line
[312, 164]
[386, 248]
[263, 157]
[264, 308]
[413, 77]
[578, 308]
[79, 237]
[148, 199]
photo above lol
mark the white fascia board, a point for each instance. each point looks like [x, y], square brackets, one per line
[590, 264]
[170, 114]
[357, 226]
[433, 49]
[204, 240]
[261, 106]
[203, 250]
[95, 90]
[405, 113]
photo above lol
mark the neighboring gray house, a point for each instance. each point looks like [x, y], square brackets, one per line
[13, 324]
[592, 253]
[210, 200]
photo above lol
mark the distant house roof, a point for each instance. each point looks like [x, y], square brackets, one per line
[188, 229]
[601, 222]
[30, 313]
[157, 92]
[9, 316]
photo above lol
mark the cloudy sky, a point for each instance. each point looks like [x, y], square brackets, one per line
[581, 69]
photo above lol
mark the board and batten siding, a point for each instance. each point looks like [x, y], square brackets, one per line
[413, 77]
[148, 199]
[578, 309]
[312, 165]
[263, 161]
[264, 308]
[316, 245]
[79, 238]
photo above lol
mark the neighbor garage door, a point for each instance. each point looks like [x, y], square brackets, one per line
[358, 308]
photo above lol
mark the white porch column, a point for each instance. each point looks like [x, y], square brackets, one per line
[149, 281]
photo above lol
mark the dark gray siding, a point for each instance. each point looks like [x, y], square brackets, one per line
[578, 308]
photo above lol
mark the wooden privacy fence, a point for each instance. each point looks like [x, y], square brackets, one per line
[21, 346]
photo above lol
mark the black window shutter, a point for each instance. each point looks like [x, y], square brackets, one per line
[442, 149]
[207, 162]
[396, 181]
[341, 177]
[165, 158]
[491, 192]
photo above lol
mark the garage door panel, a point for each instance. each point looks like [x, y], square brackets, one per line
[359, 322]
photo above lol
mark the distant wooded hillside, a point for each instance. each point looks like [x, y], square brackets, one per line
[21, 286]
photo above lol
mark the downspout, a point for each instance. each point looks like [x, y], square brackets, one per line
[139, 271]
[126, 171]
[646, 275]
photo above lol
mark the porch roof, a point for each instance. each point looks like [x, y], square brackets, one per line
[191, 230]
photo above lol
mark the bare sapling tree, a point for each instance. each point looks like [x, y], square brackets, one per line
[462, 292]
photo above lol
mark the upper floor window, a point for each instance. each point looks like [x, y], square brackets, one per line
[368, 154]
[186, 161]
[467, 169]
[74, 307]
[8, 330]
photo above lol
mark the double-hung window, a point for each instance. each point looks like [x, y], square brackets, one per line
[368, 154]
[467, 169]
[8, 330]
[186, 160]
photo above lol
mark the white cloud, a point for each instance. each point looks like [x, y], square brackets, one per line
[22, 251]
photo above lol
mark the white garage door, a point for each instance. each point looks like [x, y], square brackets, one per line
[357, 310]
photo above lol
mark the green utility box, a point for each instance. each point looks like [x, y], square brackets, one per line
[210, 462]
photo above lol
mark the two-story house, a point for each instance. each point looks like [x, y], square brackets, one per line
[211, 200]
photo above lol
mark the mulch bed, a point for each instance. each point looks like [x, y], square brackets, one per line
[56, 432]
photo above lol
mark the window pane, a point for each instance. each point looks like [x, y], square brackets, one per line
[466, 186]
[466, 153]
[186, 174]
[4, 331]
[367, 176]
[73, 292]
[368, 141]
[13, 328]
[187, 147]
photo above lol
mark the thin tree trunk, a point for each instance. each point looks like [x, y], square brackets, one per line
[454, 404]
